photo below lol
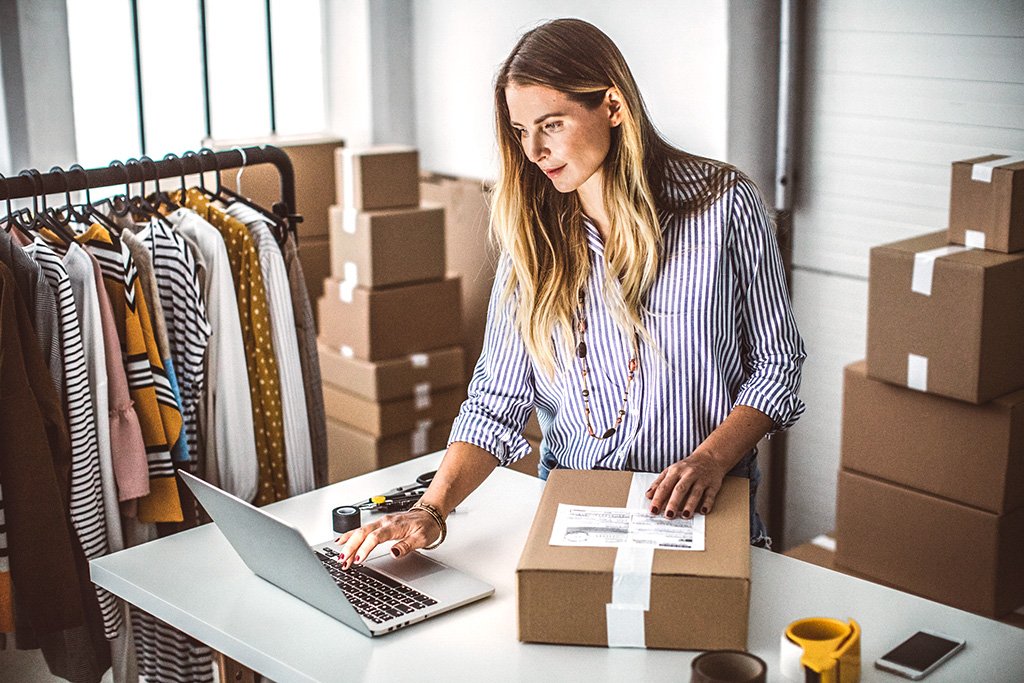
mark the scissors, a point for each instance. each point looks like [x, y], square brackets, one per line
[399, 498]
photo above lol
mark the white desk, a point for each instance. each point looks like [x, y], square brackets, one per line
[195, 582]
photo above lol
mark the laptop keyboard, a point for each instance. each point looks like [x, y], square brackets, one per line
[374, 595]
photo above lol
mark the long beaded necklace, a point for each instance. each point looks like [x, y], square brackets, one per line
[581, 352]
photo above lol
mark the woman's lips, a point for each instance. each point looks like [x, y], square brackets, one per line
[552, 172]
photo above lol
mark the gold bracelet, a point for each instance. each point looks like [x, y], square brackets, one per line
[435, 514]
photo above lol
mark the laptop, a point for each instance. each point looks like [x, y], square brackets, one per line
[382, 595]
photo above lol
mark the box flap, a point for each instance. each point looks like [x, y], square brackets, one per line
[727, 549]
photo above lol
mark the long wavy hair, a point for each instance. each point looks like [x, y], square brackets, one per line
[541, 229]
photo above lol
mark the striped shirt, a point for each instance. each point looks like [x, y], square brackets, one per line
[720, 313]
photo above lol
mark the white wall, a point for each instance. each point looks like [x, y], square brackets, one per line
[677, 51]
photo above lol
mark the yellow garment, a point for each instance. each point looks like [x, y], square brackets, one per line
[261, 361]
[158, 413]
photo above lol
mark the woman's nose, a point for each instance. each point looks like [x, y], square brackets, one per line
[535, 149]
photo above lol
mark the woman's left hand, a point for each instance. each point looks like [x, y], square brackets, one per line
[688, 486]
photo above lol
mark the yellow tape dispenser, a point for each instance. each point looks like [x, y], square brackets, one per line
[822, 650]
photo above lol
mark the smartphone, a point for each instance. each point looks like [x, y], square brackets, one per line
[920, 654]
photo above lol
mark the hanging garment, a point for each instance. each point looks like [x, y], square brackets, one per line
[261, 362]
[305, 329]
[229, 446]
[297, 444]
[35, 465]
[86, 502]
[151, 392]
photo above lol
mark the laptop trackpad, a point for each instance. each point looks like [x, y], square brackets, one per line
[411, 568]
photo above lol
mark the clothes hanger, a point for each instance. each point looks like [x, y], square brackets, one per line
[277, 224]
[71, 212]
[120, 205]
[181, 170]
[90, 212]
[48, 218]
[217, 194]
[13, 219]
[140, 204]
[158, 196]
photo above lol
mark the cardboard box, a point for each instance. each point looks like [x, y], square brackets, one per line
[313, 162]
[381, 177]
[936, 548]
[946, 324]
[316, 267]
[698, 600]
[986, 203]
[390, 247]
[392, 417]
[414, 375]
[376, 324]
[469, 252]
[972, 454]
[351, 452]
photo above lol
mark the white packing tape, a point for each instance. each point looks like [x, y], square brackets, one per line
[421, 395]
[917, 372]
[348, 285]
[631, 578]
[974, 239]
[982, 172]
[924, 265]
[824, 541]
[349, 220]
[346, 351]
[419, 360]
[420, 439]
[789, 659]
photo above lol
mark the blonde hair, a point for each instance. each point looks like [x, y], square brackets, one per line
[541, 230]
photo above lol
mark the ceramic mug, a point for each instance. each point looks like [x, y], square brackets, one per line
[728, 666]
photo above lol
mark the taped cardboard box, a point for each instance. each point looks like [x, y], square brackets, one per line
[312, 158]
[390, 247]
[931, 546]
[392, 417]
[351, 452]
[697, 599]
[381, 323]
[316, 267]
[468, 251]
[380, 177]
[946, 320]
[986, 203]
[972, 454]
[413, 375]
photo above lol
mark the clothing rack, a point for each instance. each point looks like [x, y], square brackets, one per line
[35, 184]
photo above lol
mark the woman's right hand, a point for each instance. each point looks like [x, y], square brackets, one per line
[409, 530]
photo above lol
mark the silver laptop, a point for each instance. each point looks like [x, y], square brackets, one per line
[382, 595]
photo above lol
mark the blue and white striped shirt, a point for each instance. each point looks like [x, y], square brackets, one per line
[720, 313]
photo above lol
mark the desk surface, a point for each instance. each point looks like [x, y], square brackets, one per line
[196, 582]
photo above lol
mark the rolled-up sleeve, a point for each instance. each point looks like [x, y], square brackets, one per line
[501, 391]
[772, 349]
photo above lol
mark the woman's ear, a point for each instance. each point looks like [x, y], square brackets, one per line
[613, 100]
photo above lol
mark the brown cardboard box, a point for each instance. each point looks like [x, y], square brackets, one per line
[313, 162]
[963, 340]
[395, 378]
[563, 592]
[972, 454]
[316, 266]
[391, 247]
[381, 177]
[388, 322]
[468, 251]
[351, 452]
[986, 203]
[393, 417]
[944, 551]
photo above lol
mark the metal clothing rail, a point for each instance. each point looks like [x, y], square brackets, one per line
[23, 186]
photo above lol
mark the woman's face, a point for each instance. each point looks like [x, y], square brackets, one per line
[567, 140]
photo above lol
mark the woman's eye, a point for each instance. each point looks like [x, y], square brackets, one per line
[553, 126]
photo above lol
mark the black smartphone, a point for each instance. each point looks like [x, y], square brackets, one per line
[920, 654]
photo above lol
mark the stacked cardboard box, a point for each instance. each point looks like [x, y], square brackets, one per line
[390, 317]
[931, 487]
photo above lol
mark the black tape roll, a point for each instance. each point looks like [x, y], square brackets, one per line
[346, 518]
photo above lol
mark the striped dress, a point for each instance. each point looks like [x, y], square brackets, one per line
[719, 314]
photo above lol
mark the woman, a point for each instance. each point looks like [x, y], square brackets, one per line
[639, 302]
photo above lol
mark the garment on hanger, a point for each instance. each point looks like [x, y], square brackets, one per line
[226, 415]
[261, 362]
[297, 443]
[151, 392]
